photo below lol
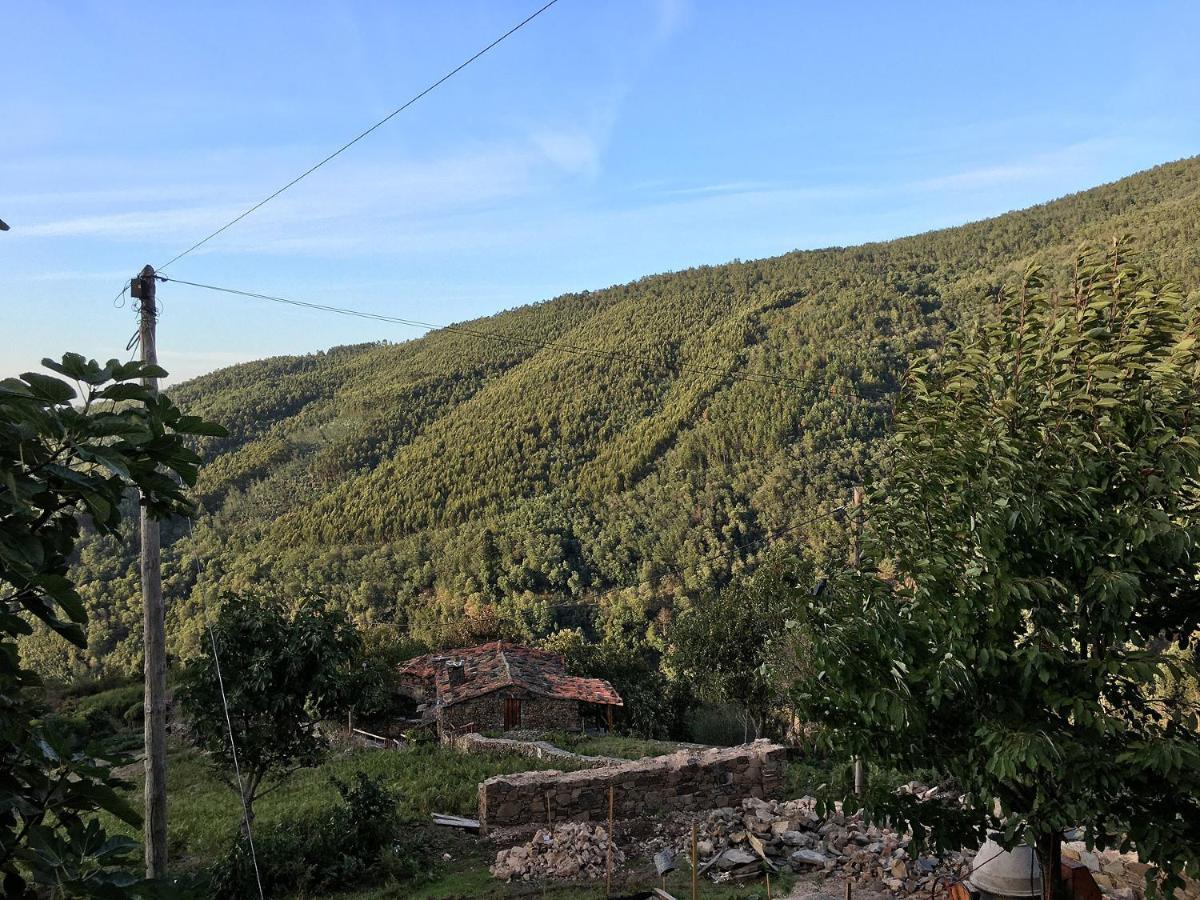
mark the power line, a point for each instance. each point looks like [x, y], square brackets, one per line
[756, 377]
[236, 766]
[346, 146]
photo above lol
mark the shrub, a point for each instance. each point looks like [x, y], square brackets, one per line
[720, 724]
[348, 843]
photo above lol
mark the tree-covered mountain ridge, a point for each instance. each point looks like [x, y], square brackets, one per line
[484, 479]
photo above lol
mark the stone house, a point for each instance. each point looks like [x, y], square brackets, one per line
[500, 687]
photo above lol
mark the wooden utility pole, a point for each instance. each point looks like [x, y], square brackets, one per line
[154, 828]
[695, 871]
[860, 774]
[608, 855]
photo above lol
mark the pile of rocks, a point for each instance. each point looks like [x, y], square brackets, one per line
[737, 842]
[571, 850]
[1121, 876]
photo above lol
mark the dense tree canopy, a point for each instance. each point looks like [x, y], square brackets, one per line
[1042, 535]
[457, 486]
[731, 647]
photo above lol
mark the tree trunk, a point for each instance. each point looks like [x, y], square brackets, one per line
[247, 820]
[1049, 856]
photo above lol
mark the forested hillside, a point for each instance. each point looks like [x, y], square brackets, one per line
[459, 485]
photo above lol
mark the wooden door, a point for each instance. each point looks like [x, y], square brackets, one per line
[512, 713]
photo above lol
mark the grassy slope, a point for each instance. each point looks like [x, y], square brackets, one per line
[204, 813]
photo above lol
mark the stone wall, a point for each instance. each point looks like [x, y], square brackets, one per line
[419, 690]
[645, 787]
[486, 713]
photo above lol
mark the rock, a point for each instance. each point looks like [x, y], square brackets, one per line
[806, 857]
[704, 849]
[895, 884]
[1090, 860]
[570, 850]
[899, 869]
[1122, 893]
[734, 857]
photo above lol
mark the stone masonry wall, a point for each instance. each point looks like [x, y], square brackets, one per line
[486, 713]
[646, 787]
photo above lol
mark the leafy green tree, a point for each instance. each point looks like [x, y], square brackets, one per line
[654, 706]
[280, 673]
[1042, 529]
[728, 644]
[68, 456]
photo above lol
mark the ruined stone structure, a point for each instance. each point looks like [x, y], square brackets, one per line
[501, 687]
[644, 787]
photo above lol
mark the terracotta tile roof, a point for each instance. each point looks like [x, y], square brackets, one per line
[488, 667]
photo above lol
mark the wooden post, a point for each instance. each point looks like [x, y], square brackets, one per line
[846, 893]
[695, 864]
[860, 774]
[153, 625]
[608, 859]
[610, 725]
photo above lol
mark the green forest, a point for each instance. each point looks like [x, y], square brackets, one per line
[489, 481]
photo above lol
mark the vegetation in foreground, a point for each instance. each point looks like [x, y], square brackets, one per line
[205, 815]
[1031, 593]
[72, 445]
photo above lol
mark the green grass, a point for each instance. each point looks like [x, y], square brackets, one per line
[203, 813]
[613, 745]
[469, 878]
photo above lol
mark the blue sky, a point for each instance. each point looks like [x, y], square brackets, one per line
[608, 140]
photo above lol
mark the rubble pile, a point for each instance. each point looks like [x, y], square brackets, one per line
[571, 850]
[1121, 876]
[738, 842]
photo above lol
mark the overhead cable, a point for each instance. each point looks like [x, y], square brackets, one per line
[346, 146]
